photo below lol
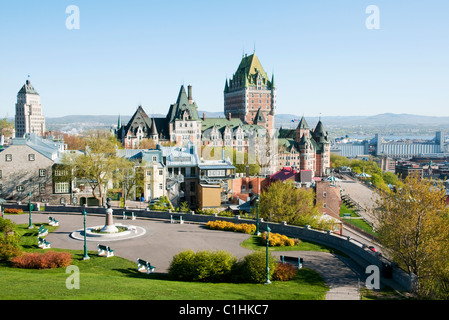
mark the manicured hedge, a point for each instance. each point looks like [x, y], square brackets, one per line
[201, 266]
[221, 266]
[47, 260]
[11, 210]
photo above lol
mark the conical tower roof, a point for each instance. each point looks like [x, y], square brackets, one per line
[153, 128]
[259, 117]
[303, 124]
[182, 104]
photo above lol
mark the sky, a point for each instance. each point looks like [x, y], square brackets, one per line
[325, 59]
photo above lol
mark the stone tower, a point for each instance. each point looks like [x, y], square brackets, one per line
[29, 117]
[250, 95]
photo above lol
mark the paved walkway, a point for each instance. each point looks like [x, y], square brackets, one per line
[163, 240]
[361, 194]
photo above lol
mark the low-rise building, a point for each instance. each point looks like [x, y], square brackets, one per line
[215, 183]
[26, 168]
[404, 169]
[328, 198]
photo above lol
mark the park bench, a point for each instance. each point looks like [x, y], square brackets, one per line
[42, 243]
[53, 222]
[176, 219]
[295, 260]
[133, 217]
[42, 231]
[143, 265]
[105, 250]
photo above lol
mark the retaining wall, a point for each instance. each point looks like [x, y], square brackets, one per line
[358, 251]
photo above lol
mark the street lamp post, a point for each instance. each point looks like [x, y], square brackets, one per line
[257, 220]
[268, 267]
[86, 256]
[30, 224]
[2, 207]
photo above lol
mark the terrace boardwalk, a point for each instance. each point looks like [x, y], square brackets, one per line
[163, 240]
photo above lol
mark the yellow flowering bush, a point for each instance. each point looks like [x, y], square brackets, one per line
[278, 240]
[229, 226]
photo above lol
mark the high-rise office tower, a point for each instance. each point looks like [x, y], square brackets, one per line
[29, 117]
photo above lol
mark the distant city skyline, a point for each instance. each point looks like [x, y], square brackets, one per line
[325, 59]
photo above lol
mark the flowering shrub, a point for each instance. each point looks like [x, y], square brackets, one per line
[284, 272]
[47, 260]
[229, 226]
[15, 211]
[278, 240]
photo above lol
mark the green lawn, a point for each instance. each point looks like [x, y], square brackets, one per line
[114, 278]
[360, 223]
[255, 243]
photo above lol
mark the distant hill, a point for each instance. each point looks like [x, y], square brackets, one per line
[405, 119]
[385, 119]
[285, 120]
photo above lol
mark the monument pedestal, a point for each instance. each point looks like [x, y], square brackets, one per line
[109, 226]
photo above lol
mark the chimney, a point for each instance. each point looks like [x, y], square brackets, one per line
[204, 116]
[229, 116]
[190, 94]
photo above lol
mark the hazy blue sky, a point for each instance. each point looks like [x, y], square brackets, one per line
[324, 58]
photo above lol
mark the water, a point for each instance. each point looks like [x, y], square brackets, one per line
[399, 137]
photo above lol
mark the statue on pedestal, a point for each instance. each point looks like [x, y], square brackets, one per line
[109, 226]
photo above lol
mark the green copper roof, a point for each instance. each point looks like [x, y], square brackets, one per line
[303, 124]
[182, 105]
[28, 88]
[247, 72]
[234, 123]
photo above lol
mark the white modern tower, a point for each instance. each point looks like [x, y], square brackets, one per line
[29, 117]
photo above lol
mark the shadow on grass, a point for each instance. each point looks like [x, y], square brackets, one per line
[308, 276]
[133, 273]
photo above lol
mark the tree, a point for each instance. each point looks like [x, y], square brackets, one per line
[282, 201]
[9, 240]
[414, 229]
[146, 144]
[339, 161]
[74, 142]
[129, 175]
[98, 162]
[6, 127]
[249, 161]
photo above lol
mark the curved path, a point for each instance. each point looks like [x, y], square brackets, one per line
[163, 240]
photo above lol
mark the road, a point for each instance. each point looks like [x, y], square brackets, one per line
[364, 196]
